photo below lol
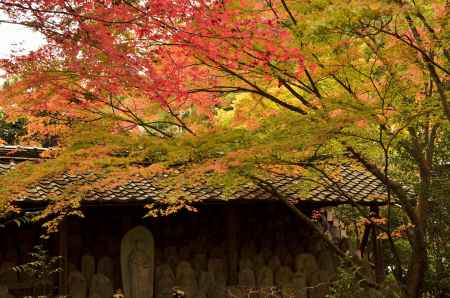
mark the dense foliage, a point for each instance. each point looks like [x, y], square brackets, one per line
[243, 88]
[10, 132]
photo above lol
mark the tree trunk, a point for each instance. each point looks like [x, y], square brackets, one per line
[417, 265]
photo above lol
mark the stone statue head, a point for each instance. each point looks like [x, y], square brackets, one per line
[139, 245]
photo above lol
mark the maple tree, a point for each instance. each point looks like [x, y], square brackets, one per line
[10, 132]
[365, 82]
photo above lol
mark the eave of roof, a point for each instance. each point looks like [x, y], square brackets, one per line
[354, 187]
[10, 153]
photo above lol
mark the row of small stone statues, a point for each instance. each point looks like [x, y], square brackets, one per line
[266, 281]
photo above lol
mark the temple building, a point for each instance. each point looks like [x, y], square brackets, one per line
[247, 244]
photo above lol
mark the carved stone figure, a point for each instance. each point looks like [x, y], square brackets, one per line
[247, 277]
[165, 281]
[200, 262]
[320, 283]
[288, 260]
[299, 283]
[186, 280]
[283, 276]
[101, 287]
[245, 263]
[258, 262]
[77, 285]
[171, 256]
[265, 277]
[306, 263]
[248, 250]
[137, 262]
[327, 261]
[274, 263]
[205, 285]
[216, 267]
[105, 266]
[88, 267]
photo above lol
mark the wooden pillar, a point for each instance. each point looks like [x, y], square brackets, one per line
[63, 252]
[232, 245]
[365, 239]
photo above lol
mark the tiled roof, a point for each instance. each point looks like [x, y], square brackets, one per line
[354, 186]
[359, 186]
[19, 153]
[5, 167]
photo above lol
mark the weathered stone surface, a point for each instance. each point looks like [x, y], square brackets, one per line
[218, 268]
[306, 263]
[299, 283]
[101, 287]
[258, 262]
[205, 285]
[77, 285]
[235, 292]
[247, 277]
[319, 284]
[288, 260]
[171, 256]
[200, 262]
[7, 275]
[201, 295]
[328, 262]
[88, 267]
[105, 266]
[265, 277]
[283, 276]
[137, 263]
[245, 263]
[4, 292]
[165, 281]
[274, 263]
[186, 279]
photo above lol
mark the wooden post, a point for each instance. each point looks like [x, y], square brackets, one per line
[365, 239]
[232, 246]
[63, 275]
